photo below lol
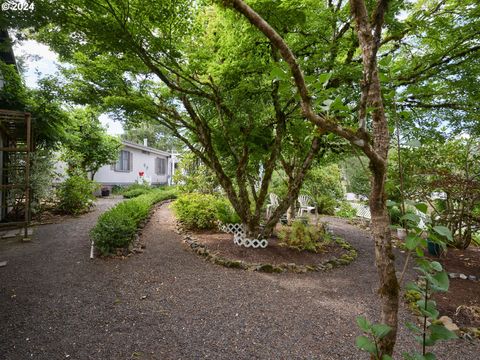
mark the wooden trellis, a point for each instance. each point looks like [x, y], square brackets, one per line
[15, 149]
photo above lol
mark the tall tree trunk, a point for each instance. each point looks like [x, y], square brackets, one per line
[369, 39]
[369, 35]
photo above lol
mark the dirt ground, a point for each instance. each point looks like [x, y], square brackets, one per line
[222, 244]
[462, 302]
[168, 303]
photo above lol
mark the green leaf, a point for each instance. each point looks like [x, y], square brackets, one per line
[277, 73]
[443, 231]
[435, 265]
[364, 343]
[440, 281]
[440, 332]
[419, 252]
[412, 241]
[323, 78]
[391, 203]
[422, 207]
[380, 330]
[414, 218]
[430, 356]
[413, 286]
[385, 61]
[430, 310]
[363, 323]
[386, 357]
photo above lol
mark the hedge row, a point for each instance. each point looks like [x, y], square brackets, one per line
[117, 227]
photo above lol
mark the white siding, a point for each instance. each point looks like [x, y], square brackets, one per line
[141, 161]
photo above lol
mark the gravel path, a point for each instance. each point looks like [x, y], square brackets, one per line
[167, 303]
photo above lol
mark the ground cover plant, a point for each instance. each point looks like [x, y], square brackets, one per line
[116, 228]
[301, 236]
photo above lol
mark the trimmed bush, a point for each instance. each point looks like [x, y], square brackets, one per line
[135, 192]
[76, 195]
[201, 211]
[116, 228]
[225, 212]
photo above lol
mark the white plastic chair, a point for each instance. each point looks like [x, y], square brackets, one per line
[304, 201]
[274, 202]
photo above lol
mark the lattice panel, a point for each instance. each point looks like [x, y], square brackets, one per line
[240, 238]
[363, 211]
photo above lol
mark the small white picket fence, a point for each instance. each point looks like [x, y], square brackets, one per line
[240, 237]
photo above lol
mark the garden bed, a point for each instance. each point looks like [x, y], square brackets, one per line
[463, 295]
[219, 248]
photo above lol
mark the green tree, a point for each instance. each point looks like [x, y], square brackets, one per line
[357, 175]
[171, 64]
[193, 176]
[444, 175]
[87, 146]
[49, 119]
[323, 184]
[157, 136]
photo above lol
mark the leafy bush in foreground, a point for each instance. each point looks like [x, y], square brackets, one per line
[116, 228]
[201, 211]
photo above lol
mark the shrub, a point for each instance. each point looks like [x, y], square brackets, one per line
[304, 237]
[395, 213]
[116, 228]
[225, 212]
[325, 204]
[201, 211]
[345, 210]
[76, 194]
[196, 211]
[132, 193]
[193, 176]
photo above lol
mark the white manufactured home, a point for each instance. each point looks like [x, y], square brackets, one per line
[136, 162]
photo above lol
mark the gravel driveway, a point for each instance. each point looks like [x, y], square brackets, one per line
[167, 303]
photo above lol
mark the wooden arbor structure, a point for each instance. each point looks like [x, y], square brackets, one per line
[15, 149]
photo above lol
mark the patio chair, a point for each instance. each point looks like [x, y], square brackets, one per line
[304, 201]
[273, 204]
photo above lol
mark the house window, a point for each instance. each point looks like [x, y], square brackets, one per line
[124, 162]
[160, 166]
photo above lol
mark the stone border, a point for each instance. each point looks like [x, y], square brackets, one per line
[202, 250]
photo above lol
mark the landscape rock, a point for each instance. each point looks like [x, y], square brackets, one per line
[463, 276]
[449, 324]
